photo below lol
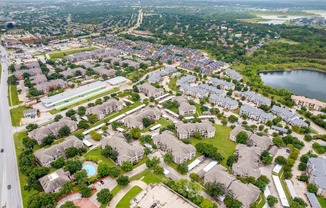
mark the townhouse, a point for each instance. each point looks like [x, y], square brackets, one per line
[136, 121]
[291, 118]
[308, 103]
[38, 79]
[186, 80]
[233, 74]
[224, 102]
[187, 130]
[102, 110]
[46, 87]
[126, 152]
[149, 90]
[255, 114]
[32, 72]
[224, 85]
[95, 54]
[101, 70]
[52, 129]
[53, 182]
[181, 152]
[73, 72]
[316, 169]
[256, 98]
[185, 109]
[45, 156]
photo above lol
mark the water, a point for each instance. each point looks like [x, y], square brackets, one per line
[90, 169]
[311, 84]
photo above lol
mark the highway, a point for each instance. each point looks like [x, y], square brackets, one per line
[9, 198]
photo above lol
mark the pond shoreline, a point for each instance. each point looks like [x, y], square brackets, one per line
[294, 69]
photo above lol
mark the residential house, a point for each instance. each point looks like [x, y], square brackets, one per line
[316, 169]
[255, 114]
[38, 79]
[185, 108]
[46, 87]
[247, 164]
[308, 103]
[187, 130]
[180, 151]
[126, 152]
[186, 80]
[102, 110]
[136, 121]
[256, 98]
[73, 72]
[259, 143]
[101, 70]
[236, 131]
[53, 182]
[149, 90]
[45, 156]
[224, 102]
[193, 91]
[291, 118]
[233, 74]
[32, 72]
[30, 113]
[224, 85]
[52, 129]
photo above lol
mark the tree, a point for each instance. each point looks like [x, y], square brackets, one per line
[147, 122]
[231, 159]
[68, 204]
[152, 162]
[85, 191]
[232, 119]
[41, 200]
[266, 157]
[194, 177]
[114, 171]
[57, 117]
[209, 150]
[214, 189]
[280, 160]
[47, 140]
[83, 124]
[271, 200]
[136, 133]
[168, 158]
[242, 137]
[110, 153]
[103, 170]
[224, 122]
[58, 163]
[302, 166]
[81, 177]
[126, 166]
[312, 188]
[72, 152]
[298, 203]
[29, 143]
[158, 169]
[12, 80]
[31, 127]
[182, 168]
[95, 135]
[197, 135]
[232, 203]
[70, 113]
[104, 196]
[64, 131]
[92, 118]
[73, 166]
[123, 180]
[81, 110]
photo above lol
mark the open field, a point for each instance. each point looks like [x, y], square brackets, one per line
[13, 95]
[221, 141]
[125, 201]
[17, 114]
[61, 54]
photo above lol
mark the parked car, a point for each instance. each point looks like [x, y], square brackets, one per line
[2, 150]
[9, 186]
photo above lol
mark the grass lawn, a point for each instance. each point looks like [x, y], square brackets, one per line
[116, 189]
[173, 84]
[198, 109]
[161, 121]
[262, 201]
[95, 155]
[285, 188]
[221, 141]
[13, 95]
[125, 201]
[61, 54]
[17, 114]
[322, 201]
[151, 178]
[22, 178]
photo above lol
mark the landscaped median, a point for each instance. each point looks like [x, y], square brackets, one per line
[13, 95]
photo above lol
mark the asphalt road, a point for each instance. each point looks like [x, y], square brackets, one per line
[8, 161]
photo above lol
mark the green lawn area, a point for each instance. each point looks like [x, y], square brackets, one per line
[198, 109]
[151, 178]
[322, 201]
[161, 121]
[13, 95]
[95, 155]
[116, 189]
[125, 201]
[17, 114]
[173, 84]
[285, 188]
[261, 201]
[22, 178]
[221, 141]
[61, 54]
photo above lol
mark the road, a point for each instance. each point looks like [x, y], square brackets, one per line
[8, 161]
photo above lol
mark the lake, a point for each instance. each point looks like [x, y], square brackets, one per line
[302, 82]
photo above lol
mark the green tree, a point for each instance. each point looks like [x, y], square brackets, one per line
[232, 119]
[85, 191]
[147, 122]
[31, 127]
[57, 118]
[83, 124]
[242, 137]
[271, 200]
[214, 189]
[103, 170]
[114, 171]
[280, 160]
[182, 168]
[158, 169]
[81, 177]
[64, 131]
[29, 143]
[110, 153]
[194, 177]
[232, 202]
[104, 196]
[95, 135]
[168, 158]
[68, 204]
[58, 163]
[136, 133]
[66, 188]
[302, 166]
[92, 118]
[152, 162]
[123, 180]
[126, 166]
[73, 166]
[312, 188]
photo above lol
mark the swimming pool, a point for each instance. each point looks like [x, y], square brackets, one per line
[90, 169]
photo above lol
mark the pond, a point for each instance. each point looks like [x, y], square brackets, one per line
[311, 84]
